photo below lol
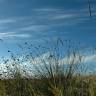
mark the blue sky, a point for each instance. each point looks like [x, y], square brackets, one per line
[39, 20]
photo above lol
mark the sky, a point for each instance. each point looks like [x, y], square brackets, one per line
[38, 20]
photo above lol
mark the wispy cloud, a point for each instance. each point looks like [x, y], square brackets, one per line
[4, 35]
[63, 16]
[90, 58]
[66, 59]
[4, 21]
[47, 10]
[51, 15]
[39, 61]
[35, 28]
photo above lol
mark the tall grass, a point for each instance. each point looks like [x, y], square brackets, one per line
[56, 73]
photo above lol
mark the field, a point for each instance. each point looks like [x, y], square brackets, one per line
[53, 74]
[57, 86]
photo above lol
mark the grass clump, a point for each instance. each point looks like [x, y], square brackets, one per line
[56, 73]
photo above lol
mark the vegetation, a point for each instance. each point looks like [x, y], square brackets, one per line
[57, 73]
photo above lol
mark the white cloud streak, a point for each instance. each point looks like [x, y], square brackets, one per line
[38, 61]
[63, 16]
[4, 35]
[6, 21]
[67, 60]
[35, 28]
[52, 15]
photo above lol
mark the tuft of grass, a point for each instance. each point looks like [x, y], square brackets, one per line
[52, 76]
